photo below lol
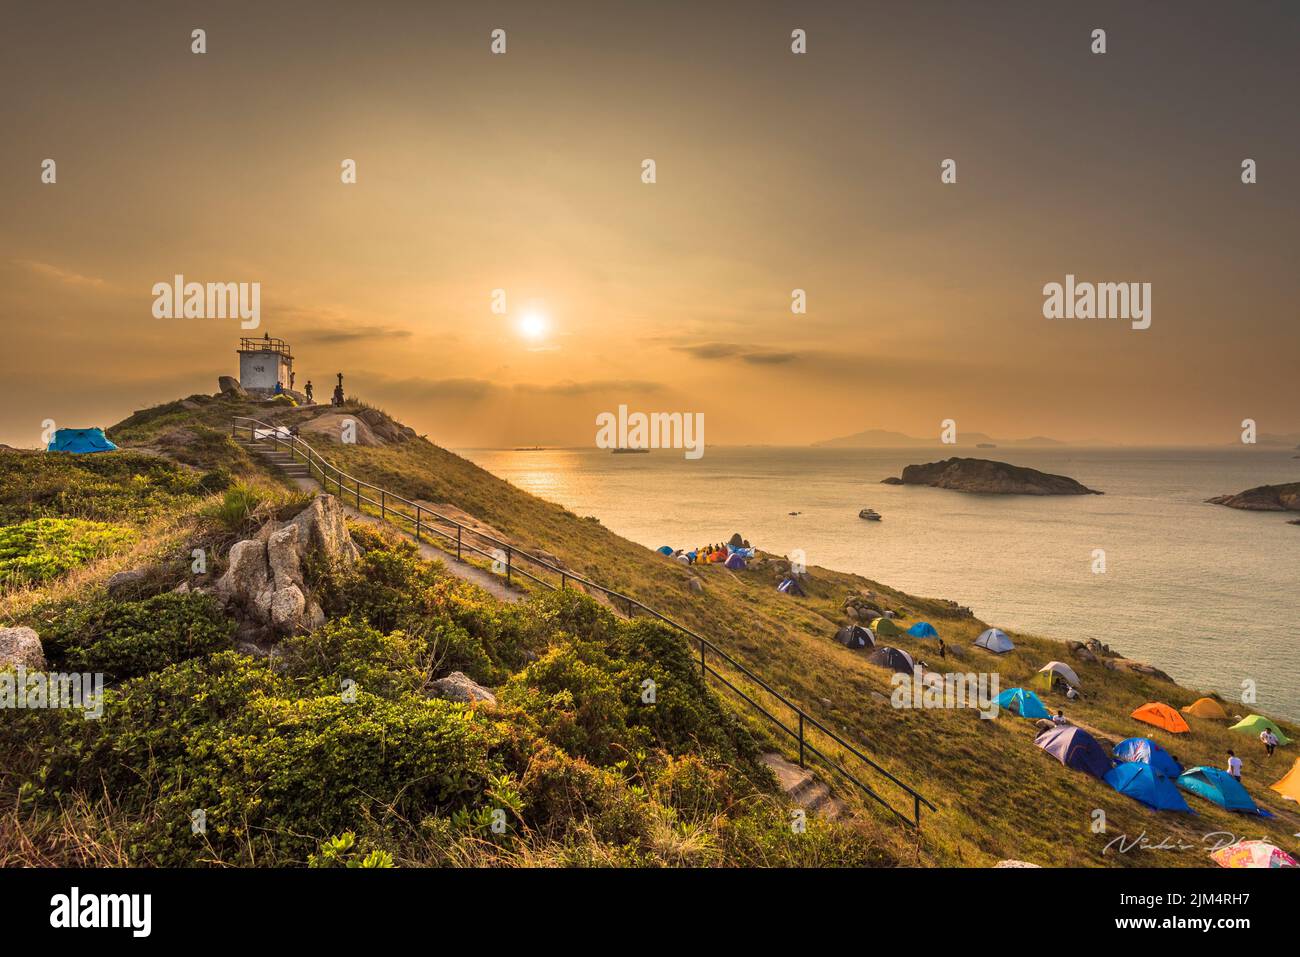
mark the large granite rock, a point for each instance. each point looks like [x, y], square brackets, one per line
[264, 583]
[1263, 498]
[997, 478]
[21, 646]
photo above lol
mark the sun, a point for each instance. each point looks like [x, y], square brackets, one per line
[533, 326]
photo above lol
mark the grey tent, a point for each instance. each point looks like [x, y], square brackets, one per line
[855, 636]
[994, 640]
[892, 658]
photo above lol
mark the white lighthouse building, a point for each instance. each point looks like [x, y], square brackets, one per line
[264, 362]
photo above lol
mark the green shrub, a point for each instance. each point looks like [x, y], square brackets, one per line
[105, 486]
[45, 548]
[237, 507]
[124, 639]
[386, 665]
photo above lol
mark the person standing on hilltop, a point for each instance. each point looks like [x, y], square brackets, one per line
[307, 389]
[338, 391]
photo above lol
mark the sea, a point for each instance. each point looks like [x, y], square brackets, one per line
[1209, 594]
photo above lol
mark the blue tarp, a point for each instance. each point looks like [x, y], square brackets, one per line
[1146, 751]
[923, 629]
[1027, 704]
[1144, 783]
[80, 440]
[1218, 786]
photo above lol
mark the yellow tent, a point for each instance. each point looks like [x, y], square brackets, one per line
[1206, 708]
[1289, 786]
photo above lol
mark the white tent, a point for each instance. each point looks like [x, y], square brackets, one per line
[995, 640]
[1062, 669]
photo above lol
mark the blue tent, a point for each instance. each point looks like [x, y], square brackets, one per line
[80, 440]
[1143, 783]
[1146, 751]
[1026, 703]
[1218, 786]
[923, 629]
[665, 549]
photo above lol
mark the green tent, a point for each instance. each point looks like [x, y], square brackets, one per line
[1255, 723]
[885, 627]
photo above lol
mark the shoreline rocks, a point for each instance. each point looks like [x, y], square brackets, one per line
[989, 477]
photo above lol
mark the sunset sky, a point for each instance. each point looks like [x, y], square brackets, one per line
[775, 171]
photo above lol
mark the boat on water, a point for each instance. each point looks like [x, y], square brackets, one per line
[629, 451]
[870, 514]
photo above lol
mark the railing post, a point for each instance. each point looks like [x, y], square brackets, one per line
[703, 669]
[563, 582]
[459, 529]
[800, 739]
[383, 508]
[509, 555]
[417, 523]
[358, 495]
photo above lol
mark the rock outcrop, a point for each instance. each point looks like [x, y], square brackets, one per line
[21, 646]
[996, 478]
[1263, 498]
[229, 385]
[263, 582]
[459, 687]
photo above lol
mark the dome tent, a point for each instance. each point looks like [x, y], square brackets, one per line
[923, 629]
[889, 657]
[1256, 723]
[1219, 787]
[665, 549]
[1289, 786]
[735, 562]
[80, 441]
[1062, 669]
[1144, 783]
[1146, 751]
[886, 627]
[995, 640]
[1162, 716]
[855, 636]
[1023, 702]
[1075, 748]
[1206, 708]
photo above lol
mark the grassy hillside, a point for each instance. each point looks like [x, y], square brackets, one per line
[998, 796]
[290, 767]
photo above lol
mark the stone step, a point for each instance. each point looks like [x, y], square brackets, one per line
[804, 788]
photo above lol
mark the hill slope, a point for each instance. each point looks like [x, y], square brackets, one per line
[998, 796]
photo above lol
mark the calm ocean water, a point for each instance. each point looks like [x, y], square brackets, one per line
[1209, 594]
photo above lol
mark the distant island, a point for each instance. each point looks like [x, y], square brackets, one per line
[885, 439]
[985, 475]
[1263, 498]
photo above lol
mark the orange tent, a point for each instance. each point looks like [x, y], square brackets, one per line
[1206, 708]
[1289, 786]
[1162, 716]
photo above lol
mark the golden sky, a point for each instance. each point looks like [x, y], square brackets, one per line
[774, 171]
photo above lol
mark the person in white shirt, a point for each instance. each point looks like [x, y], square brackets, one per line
[1234, 766]
[1059, 717]
[1269, 739]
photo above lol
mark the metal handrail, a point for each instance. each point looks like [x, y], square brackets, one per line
[350, 487]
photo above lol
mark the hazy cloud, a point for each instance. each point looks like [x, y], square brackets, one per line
[58, 275]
